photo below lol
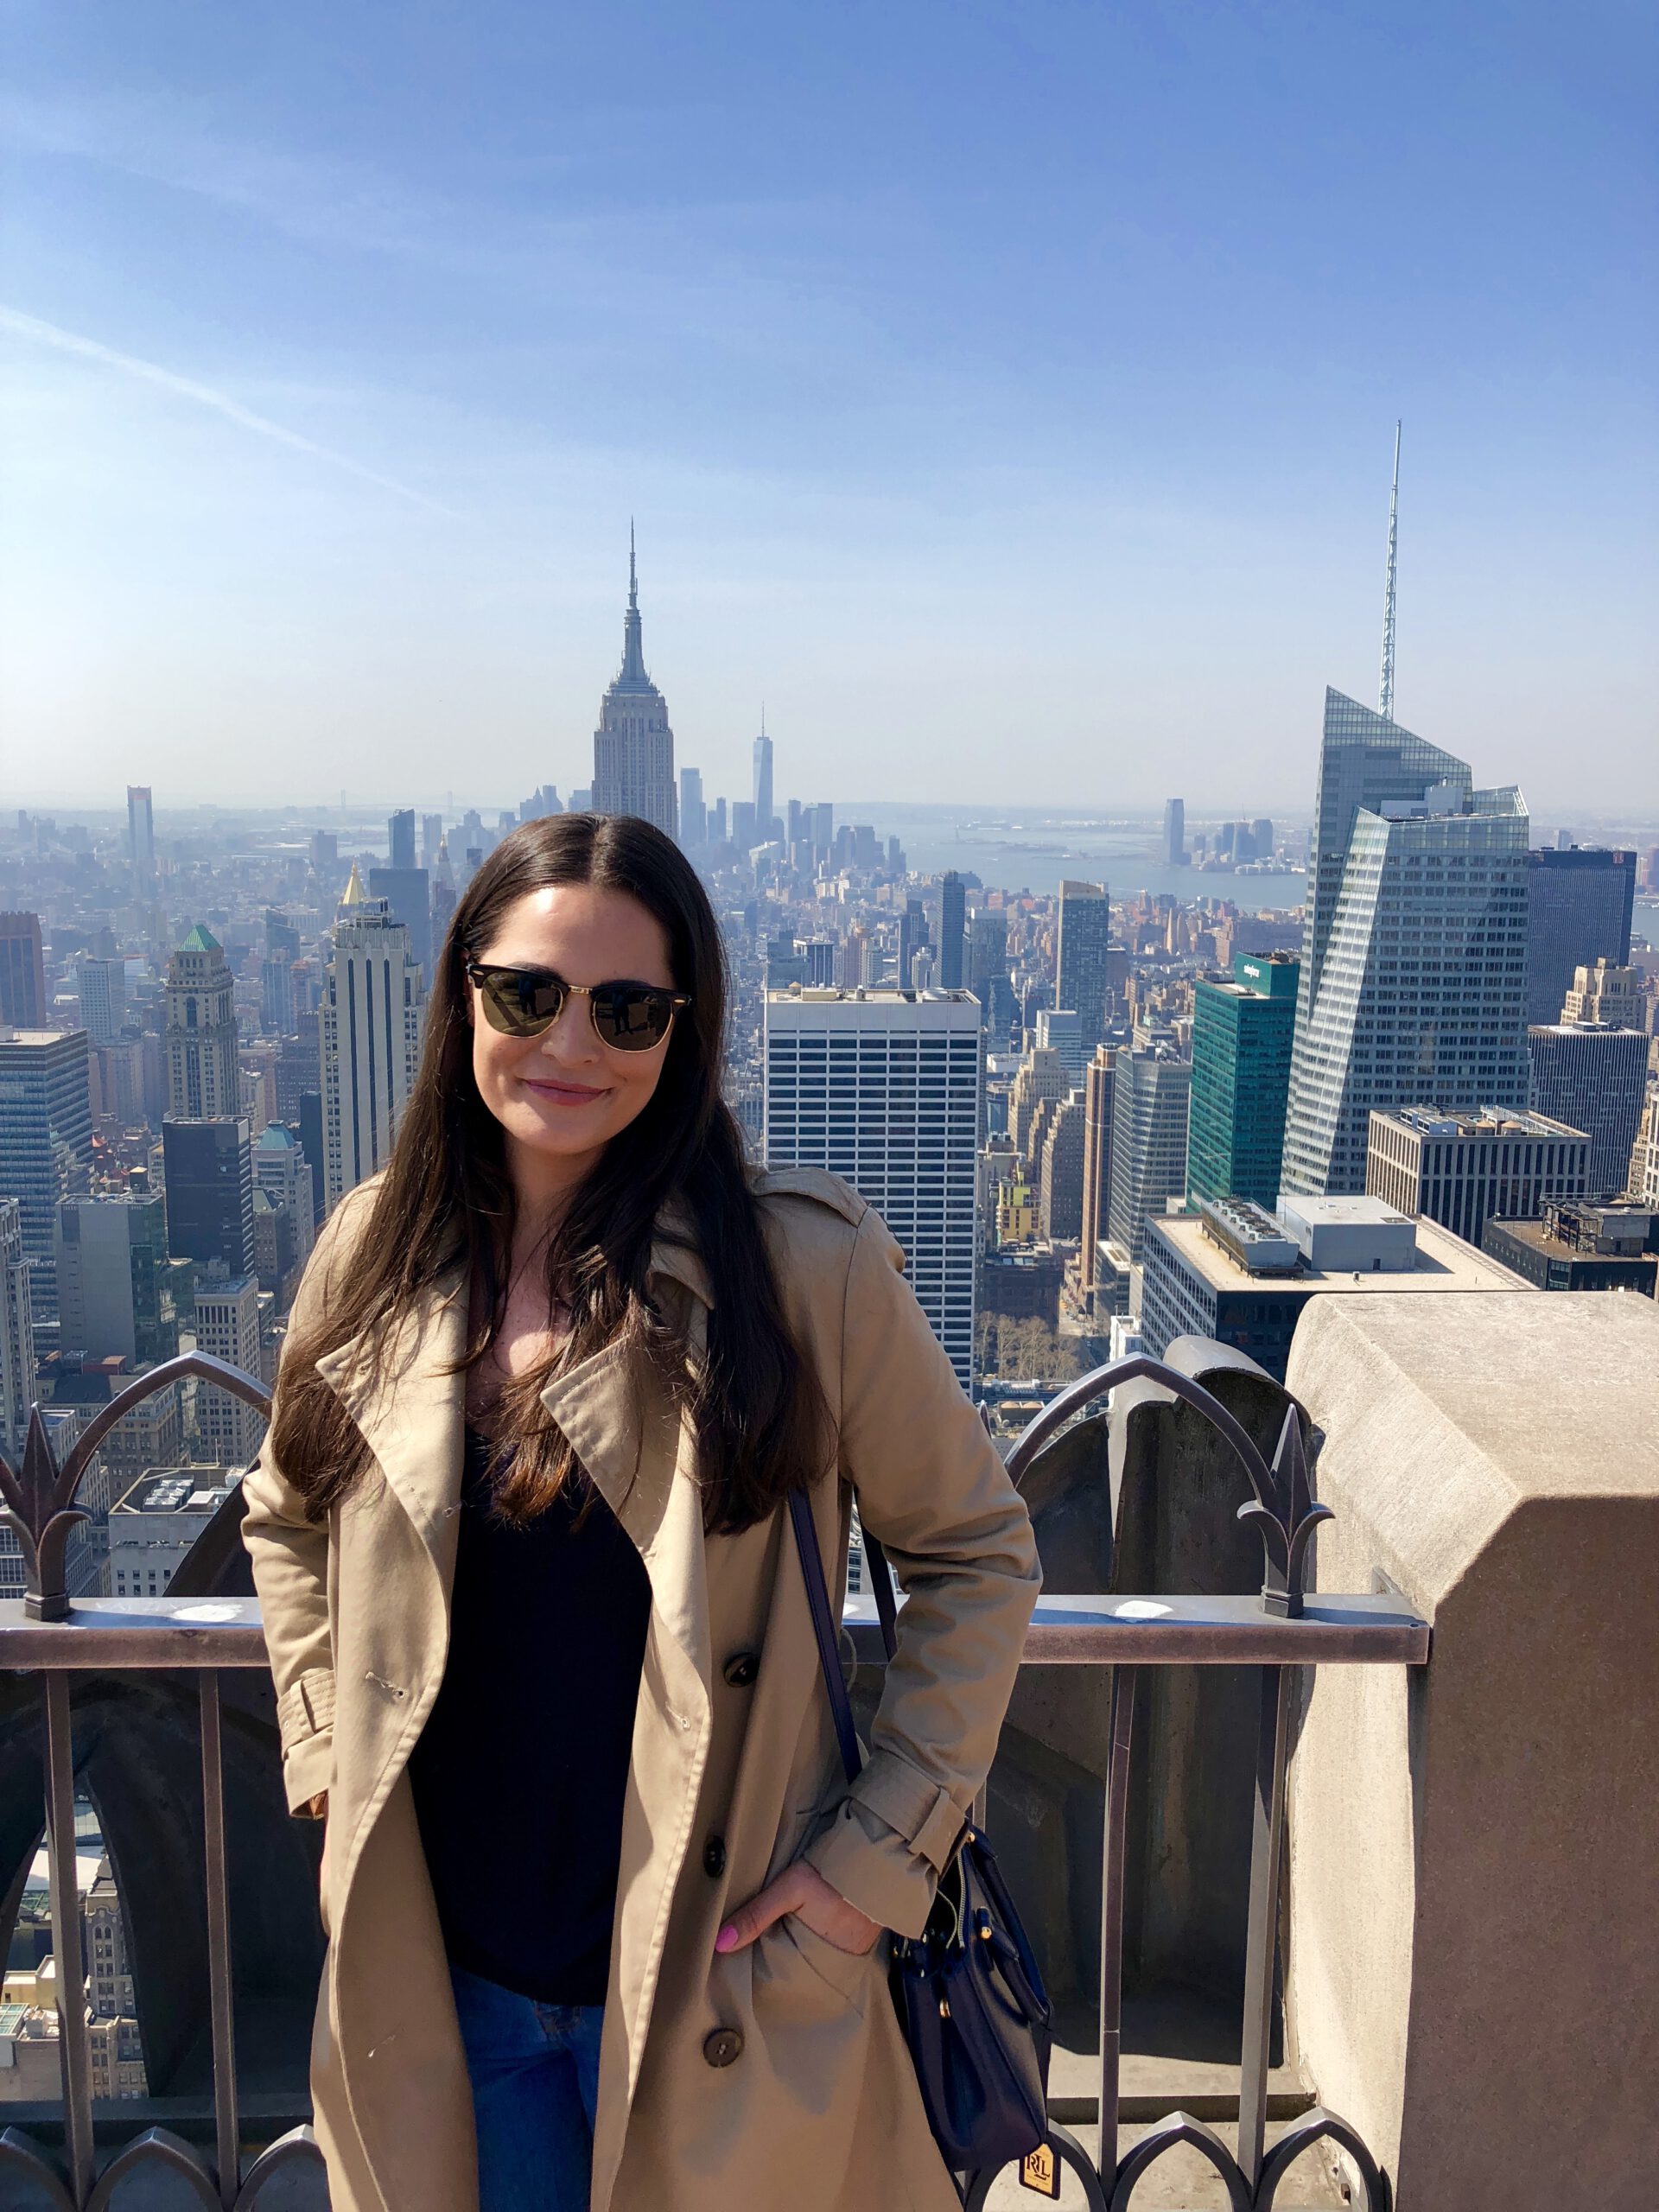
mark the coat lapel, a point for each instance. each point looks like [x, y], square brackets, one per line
[410, 1406]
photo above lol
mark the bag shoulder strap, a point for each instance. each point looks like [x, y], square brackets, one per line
[823, 1628]
[881, 1582]
[823, 1622]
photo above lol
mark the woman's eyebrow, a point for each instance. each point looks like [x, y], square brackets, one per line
[540, 967]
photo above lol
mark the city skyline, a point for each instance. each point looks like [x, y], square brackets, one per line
[1197, 466]
[329, 412]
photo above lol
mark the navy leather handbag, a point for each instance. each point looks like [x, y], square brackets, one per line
[969, 1997]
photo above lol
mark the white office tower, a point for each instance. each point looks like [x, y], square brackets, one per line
[1414, 952]
[369, 1036]
[227, 1327]
[1152, 1092]
[103, 998]
[882, 1087]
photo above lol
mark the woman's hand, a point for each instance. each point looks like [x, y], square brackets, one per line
[800, 1889]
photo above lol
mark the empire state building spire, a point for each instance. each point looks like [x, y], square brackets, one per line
[634, 746]
[633, 659]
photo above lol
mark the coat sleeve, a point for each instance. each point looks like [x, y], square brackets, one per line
[933, 1490]
[290, 1573]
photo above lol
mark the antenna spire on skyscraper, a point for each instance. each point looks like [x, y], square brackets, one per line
[1385, 689]
[634, 576]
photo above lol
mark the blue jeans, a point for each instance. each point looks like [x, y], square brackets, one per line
[534, 2070]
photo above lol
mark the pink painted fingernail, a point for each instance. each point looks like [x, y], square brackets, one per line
[727, 1940]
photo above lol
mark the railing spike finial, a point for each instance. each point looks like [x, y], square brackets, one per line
[40, 1519]
[1288, 1521]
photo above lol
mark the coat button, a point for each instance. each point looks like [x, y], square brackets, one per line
[742, 1669]
[714, 1857]
[723, 2047]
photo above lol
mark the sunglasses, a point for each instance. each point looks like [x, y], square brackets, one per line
[524, 1002]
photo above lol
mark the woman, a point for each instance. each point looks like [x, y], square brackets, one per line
[605, 1922]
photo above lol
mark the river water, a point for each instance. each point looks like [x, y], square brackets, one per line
[1019, 851]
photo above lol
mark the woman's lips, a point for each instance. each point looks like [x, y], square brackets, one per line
[568, 1094]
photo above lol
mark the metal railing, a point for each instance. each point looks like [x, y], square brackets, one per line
[1277, 1633]
[47, 1632]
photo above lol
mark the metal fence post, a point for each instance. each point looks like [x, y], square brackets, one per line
[74, 2041]
[1262, 1939]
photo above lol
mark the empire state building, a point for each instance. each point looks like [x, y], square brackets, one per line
[634, 746]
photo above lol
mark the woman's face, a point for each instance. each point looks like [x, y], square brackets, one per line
[562, 1097]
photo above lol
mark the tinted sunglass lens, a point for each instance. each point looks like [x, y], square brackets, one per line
[521, 1005]
[632, 1021]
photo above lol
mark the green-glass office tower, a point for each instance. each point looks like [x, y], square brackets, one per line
[1242, 1035]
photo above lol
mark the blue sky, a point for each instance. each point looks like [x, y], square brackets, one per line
[1005, 392]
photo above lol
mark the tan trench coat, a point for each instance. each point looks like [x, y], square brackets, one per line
[818, 2111]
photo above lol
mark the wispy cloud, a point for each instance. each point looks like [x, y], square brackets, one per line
[90, 349]
[759, 276]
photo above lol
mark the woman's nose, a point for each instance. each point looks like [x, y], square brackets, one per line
[572, 1036]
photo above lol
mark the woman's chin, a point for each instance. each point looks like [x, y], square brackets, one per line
[561, 1137]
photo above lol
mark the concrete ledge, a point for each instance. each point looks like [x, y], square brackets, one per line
[1474, 1950]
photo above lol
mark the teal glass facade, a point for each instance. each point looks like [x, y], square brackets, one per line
[1242, 1037]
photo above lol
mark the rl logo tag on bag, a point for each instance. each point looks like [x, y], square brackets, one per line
[1039, 2171]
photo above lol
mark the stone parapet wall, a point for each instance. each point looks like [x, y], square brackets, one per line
[1474, 1943]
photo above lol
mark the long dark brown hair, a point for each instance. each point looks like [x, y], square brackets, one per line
[446, 1201]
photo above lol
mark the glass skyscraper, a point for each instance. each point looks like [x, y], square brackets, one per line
[953, 910]
[1414, 969]
[1083, 973]
[112, 1262]
[409, 899]
[1578, 908]
[1241, 1034]
[1594, 1077]
[765, 811]
[23, 971]
[208, 1166]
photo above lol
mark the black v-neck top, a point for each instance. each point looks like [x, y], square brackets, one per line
[519, 1773]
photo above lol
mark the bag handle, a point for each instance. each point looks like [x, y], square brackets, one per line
[824, 1624]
